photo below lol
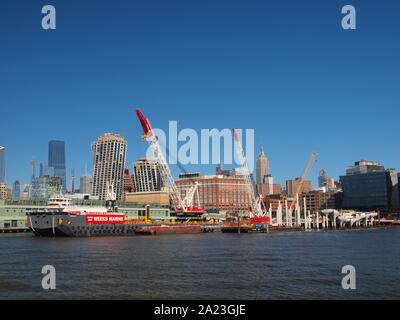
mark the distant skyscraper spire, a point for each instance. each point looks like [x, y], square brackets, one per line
[262, 167]
[262, 150]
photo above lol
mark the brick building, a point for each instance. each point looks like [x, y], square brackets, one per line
[218, 192]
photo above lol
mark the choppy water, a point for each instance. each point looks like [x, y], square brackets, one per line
[204, 266]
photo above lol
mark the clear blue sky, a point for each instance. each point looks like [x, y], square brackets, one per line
[285, 68]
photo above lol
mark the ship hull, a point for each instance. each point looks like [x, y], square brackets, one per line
[70, 225]
[63, 224]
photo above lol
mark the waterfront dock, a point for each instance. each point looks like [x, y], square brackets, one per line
[14, 230]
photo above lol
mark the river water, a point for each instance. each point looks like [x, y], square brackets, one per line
[204, 266]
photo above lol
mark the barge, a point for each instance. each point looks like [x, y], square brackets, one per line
[61, 219]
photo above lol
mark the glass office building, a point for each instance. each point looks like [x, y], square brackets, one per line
[16, 191]
[57, 161]
[369, 186]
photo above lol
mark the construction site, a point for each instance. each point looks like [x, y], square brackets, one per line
[252, 215]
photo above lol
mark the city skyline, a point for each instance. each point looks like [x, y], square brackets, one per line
[310, 87]
[314, 175]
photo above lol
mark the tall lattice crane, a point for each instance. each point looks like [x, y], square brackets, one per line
[302, 179]
[178, 204]
[257, 208]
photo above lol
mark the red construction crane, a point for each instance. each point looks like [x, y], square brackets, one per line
[178, 204]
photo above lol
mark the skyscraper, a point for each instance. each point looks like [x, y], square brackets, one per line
[86, 184]
[109, 158]
[57, 160]
[3, 190]
[2, 164]
[262, 167]
[46, 170]
[322, 178]
[146, 176]
[72, 180]
[16, 190]
[264, 181]
[128, 183]
[293, 185]
[45, 187]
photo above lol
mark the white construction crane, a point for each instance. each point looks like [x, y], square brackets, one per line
[302, 179]
[178, 204]
[257, 205]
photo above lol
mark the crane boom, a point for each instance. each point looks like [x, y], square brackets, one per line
[185, 205]
[255, 199]
[303, 178]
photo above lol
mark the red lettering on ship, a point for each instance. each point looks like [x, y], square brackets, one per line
[117, 219]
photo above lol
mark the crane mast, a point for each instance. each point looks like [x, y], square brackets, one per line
[178, 204]
[256, 205]
[302, 179]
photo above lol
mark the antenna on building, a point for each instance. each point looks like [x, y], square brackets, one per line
[261, 149]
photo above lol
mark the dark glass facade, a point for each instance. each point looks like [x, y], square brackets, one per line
[57, 160]
[373, 190]
[16, 190]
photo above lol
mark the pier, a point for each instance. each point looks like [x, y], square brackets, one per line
[14, 230]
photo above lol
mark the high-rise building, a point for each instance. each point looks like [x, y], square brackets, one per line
[2, 164]
[269, 187]
[322, 178]
[72, 179]
[292, 186]
[3, 190]
[262, 167]
[109, 158]
[325, 182]
[86, 184]
[264, 180]
[46, 170]
[57, 161]
[25, 192]
[45, 187]
[16, 193]
[146, 176]
[368, 185]
[128, 183]
[218, 192]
